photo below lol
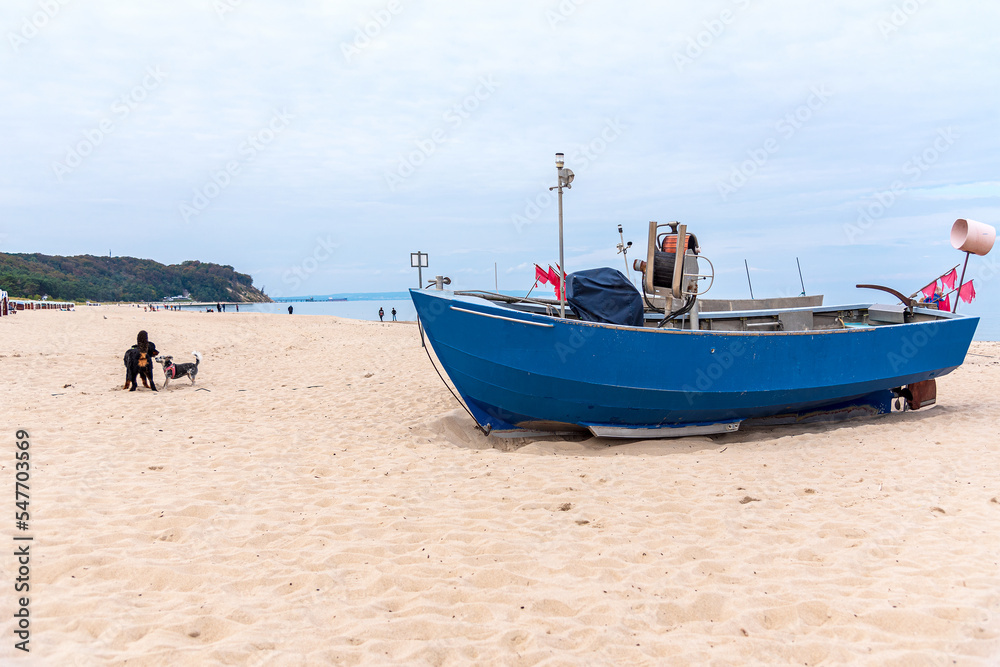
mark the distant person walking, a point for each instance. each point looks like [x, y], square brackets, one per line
[218, 307]
[289, 310]
[393, 314]
[381, 314]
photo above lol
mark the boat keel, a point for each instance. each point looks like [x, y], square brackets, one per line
[663, 431]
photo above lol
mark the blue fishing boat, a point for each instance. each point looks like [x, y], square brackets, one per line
[524, 372]
[665, 362]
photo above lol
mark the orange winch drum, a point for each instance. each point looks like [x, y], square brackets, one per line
[668, 243]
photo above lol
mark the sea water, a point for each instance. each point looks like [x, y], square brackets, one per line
[358, 306]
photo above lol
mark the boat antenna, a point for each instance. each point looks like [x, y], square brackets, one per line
[748, 277]
[800, 277]
[623, 249]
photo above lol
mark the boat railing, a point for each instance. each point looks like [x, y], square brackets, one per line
[550, 305]
[693, 288]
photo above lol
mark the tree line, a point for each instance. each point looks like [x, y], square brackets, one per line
[92, 278]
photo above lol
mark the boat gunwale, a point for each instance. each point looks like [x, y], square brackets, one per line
[938, 315]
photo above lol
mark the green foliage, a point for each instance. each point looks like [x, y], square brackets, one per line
[90, 278]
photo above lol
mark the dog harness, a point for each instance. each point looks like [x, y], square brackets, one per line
[170, 369]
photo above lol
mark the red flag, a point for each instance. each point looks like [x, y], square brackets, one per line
[949, 279]
[967, 292]
[929, 290]
[945, 303]
[541, 275]
[553, 276]
[554, 279]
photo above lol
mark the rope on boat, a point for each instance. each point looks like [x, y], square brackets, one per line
[485, 430]
[688, 305]
[683, 310]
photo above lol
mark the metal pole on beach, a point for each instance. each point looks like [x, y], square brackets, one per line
[418, 260]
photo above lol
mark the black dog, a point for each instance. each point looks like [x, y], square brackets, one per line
[139, 362]
[172, 371]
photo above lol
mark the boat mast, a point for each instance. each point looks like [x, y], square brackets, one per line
[565, 178]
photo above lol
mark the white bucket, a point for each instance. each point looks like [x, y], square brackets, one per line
[972, 236]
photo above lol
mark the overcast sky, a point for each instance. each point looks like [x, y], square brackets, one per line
[314, 145]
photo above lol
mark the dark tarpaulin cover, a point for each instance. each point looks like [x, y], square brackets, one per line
[604, 295]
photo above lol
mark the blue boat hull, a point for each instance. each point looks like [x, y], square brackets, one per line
[519, 370]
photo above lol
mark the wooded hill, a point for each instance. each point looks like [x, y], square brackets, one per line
[90, 278]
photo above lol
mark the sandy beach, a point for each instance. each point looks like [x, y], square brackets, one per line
[318, 497]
